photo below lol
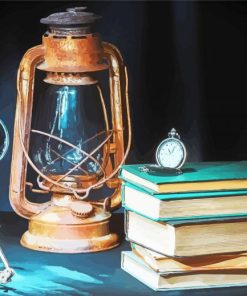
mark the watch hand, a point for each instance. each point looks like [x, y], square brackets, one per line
[173, 149]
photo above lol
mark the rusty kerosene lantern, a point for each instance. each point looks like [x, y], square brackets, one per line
[67, 135]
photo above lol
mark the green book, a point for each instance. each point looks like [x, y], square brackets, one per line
[184, 205]
[196, 176]
[185, 238]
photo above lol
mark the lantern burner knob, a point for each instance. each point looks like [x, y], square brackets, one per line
[81, 209]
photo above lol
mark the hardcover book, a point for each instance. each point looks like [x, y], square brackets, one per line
[136, 267]
[187, 237]
[196, 176]
[168, 265]
[185, 205]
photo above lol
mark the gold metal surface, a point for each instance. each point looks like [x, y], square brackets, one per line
[96, 244]
[57, 230]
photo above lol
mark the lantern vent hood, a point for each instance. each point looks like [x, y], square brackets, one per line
[74, 20]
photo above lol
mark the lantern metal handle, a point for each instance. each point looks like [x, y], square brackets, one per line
[119, 96]
[18, 200]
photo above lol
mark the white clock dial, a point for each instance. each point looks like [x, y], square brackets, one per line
[171, 153]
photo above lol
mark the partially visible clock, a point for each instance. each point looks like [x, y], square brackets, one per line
[171, 152]
[4, 139]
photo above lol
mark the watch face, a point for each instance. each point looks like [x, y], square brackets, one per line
[171, 153]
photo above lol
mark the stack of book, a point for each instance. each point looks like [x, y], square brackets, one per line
[189, 230]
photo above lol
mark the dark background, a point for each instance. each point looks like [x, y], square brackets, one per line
[187, 66]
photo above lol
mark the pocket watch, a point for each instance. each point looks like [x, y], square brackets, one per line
[171, 152]
[170, 156]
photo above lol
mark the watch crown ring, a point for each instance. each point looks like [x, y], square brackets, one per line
[173, 134]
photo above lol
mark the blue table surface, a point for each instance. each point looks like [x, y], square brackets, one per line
[40, 273]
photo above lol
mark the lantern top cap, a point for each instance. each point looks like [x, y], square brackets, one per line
[74, 16]
[76, 9]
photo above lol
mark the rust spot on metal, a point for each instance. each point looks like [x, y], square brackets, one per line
[73, 55]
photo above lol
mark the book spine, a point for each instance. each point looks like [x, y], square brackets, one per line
[122, 260]
[123, 193]
[126, 229]
[126, 223]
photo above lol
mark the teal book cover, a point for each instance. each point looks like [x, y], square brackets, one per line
[183, 195]
[191, 221]
[149, 204]
[203, 219]
[194, 172]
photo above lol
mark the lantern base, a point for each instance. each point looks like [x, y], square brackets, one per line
[64, 246]
[57, 230]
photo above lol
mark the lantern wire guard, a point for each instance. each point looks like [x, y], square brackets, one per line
[75, 192]
[62, 225]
